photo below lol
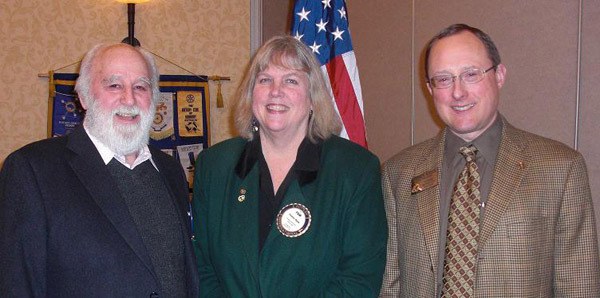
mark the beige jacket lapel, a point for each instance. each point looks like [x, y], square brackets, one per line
[508, 172]
[428, 200]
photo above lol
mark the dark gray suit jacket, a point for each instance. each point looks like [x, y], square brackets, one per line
[65, 231]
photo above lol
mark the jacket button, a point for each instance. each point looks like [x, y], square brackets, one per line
[153, 295]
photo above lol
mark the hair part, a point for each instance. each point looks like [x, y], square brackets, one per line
[454, 29]
[287, 52]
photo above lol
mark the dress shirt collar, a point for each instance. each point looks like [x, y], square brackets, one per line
[107, 154]
[487, 143]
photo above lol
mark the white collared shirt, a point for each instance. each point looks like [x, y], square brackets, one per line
[107, 154]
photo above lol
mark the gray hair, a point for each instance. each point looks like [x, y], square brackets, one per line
[86, 73]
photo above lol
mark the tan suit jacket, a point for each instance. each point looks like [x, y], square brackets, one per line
[538, 237]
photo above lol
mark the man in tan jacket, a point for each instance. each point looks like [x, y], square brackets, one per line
[531, 232]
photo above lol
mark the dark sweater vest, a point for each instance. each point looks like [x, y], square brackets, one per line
[153, 211]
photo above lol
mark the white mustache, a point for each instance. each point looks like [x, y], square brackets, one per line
[126, 111]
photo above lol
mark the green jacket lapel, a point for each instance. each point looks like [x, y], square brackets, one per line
[294, 194]
[245, 214]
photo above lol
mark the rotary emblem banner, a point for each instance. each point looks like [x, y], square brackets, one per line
[65, 112]
[190, 113]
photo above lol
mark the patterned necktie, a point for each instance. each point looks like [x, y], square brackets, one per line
[463, 230]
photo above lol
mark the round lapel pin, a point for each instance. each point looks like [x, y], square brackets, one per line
[242, 196]
[293, 220]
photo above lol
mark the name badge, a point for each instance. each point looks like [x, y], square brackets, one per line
[293, 220]
[424, 181]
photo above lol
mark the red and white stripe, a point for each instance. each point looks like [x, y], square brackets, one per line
[344, 84]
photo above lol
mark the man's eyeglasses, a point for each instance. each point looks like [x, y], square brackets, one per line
[470, 76]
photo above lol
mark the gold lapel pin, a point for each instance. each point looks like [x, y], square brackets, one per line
[242, 196]
[416, 188]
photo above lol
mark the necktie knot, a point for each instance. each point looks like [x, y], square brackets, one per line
[468, 152]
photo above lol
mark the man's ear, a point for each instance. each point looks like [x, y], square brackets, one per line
[82, 101]
[500, 75]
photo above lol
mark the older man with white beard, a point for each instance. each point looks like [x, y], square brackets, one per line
[98, 212]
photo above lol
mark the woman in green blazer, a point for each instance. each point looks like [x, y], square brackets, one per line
[288, 209]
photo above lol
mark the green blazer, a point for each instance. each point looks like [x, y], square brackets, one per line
[341, 254]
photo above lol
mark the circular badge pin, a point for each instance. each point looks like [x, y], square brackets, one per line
[242, 196]
[293, 220]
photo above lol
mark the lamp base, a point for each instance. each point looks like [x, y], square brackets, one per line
[131, 41]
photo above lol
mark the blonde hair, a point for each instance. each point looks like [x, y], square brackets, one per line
[285, 51]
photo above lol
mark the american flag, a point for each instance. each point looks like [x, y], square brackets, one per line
[323, 26]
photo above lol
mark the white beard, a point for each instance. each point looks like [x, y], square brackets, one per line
[122, 139]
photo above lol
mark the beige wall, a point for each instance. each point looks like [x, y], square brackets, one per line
[545, 93]
[276, 17]
[205, 37]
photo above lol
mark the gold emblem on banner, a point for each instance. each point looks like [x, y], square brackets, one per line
[189, 106]
[162, 125]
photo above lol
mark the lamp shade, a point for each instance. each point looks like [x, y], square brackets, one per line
[132, 1]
